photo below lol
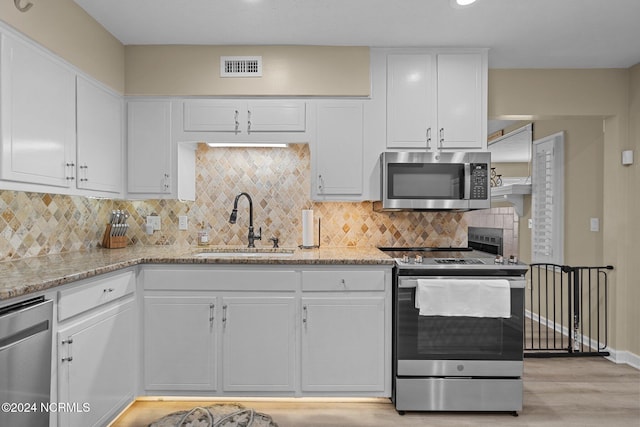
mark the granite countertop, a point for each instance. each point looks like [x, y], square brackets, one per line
[29, 275]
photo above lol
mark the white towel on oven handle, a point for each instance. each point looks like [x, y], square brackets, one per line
[464, 297]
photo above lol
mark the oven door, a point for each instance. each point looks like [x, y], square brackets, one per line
[457, 345]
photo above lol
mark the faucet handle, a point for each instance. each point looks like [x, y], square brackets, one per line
[275, 242]
[259, 235]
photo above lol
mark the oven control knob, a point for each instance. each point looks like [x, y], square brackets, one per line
[460, 368]
[418, 259]
[405, 259]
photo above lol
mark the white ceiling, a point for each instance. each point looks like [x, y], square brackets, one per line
[519, 33]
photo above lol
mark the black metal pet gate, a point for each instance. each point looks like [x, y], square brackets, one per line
[567, 311]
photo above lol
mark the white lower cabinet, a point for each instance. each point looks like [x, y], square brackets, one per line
[96, 362]
[258, 343]
[180, 343]
[267, 330]
[343, 344]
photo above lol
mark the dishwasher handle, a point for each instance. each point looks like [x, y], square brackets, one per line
[22, 335]
[25, 320]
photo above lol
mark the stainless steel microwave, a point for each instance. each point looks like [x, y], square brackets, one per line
[417, 181]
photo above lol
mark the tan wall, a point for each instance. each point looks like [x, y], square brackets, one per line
[633, 176]
[287, 71]
[517, 170]
[66, 29]
[583, 189]
[600, 94]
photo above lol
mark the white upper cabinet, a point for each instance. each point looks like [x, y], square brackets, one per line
[437, 100]
[462, 115]
[411, 101]
[38, 108]
[214, 120]
[99, 134]
[149, 146]
[158, 167]
[338, 151]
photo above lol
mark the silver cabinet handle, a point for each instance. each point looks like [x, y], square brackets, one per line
[166, 183]
[343, 283]
[248, 121]
[71, 171]
[107, 290]
[69, 357]
[441, 137]
[304, 314]
[237, 128]
[428, 138]
[212, 308]
[85, 169]
[224, 314]
[320, 184]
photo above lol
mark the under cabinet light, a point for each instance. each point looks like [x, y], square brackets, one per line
[248, 144]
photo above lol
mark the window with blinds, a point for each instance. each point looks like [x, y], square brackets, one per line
[547, 200]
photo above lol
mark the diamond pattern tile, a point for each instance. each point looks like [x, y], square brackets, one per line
[33, 224]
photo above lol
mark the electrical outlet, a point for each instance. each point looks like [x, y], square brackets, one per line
[595, 224]
[154, 221]
[183, 222]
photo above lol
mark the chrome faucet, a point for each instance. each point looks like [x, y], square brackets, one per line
[234, 215]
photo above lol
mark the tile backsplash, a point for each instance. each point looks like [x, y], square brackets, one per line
[35, 224]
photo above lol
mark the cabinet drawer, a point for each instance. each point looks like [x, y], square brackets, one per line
[94, 294]
[332, 281]
[220, 280]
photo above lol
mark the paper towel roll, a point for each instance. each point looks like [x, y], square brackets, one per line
[307, 227]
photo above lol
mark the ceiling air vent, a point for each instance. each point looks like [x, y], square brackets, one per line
[241, 66]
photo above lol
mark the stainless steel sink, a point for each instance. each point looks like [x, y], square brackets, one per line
[255, 253]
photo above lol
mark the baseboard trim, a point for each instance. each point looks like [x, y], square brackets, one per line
[615, 356]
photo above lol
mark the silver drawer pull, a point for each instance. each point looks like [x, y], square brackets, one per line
[108, 290]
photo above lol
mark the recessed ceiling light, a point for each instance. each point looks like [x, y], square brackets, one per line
[461, 3]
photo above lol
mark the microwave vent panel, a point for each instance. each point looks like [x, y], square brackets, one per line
[241, 66]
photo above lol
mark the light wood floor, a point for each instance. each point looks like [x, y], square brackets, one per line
[588, 391]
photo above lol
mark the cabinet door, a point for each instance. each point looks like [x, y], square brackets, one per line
[213, 116]
[339, 148]
[343, 344]
[411, 101]
[38, 116]
[259, 344]
[149, 146]
[460, 101]
[276, 116]
[99, 127]
[180, 343]
[96, 367]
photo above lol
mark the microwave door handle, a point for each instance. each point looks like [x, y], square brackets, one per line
[467, 181]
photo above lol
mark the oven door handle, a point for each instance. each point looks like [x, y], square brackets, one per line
[467, 181]
[411, 282]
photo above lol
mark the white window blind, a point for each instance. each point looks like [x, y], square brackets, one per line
[547, 200]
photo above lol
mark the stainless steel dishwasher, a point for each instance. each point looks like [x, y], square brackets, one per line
[25, 363]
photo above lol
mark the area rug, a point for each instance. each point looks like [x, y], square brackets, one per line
[219, 415]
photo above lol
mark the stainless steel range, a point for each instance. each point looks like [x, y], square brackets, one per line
[458, 330]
